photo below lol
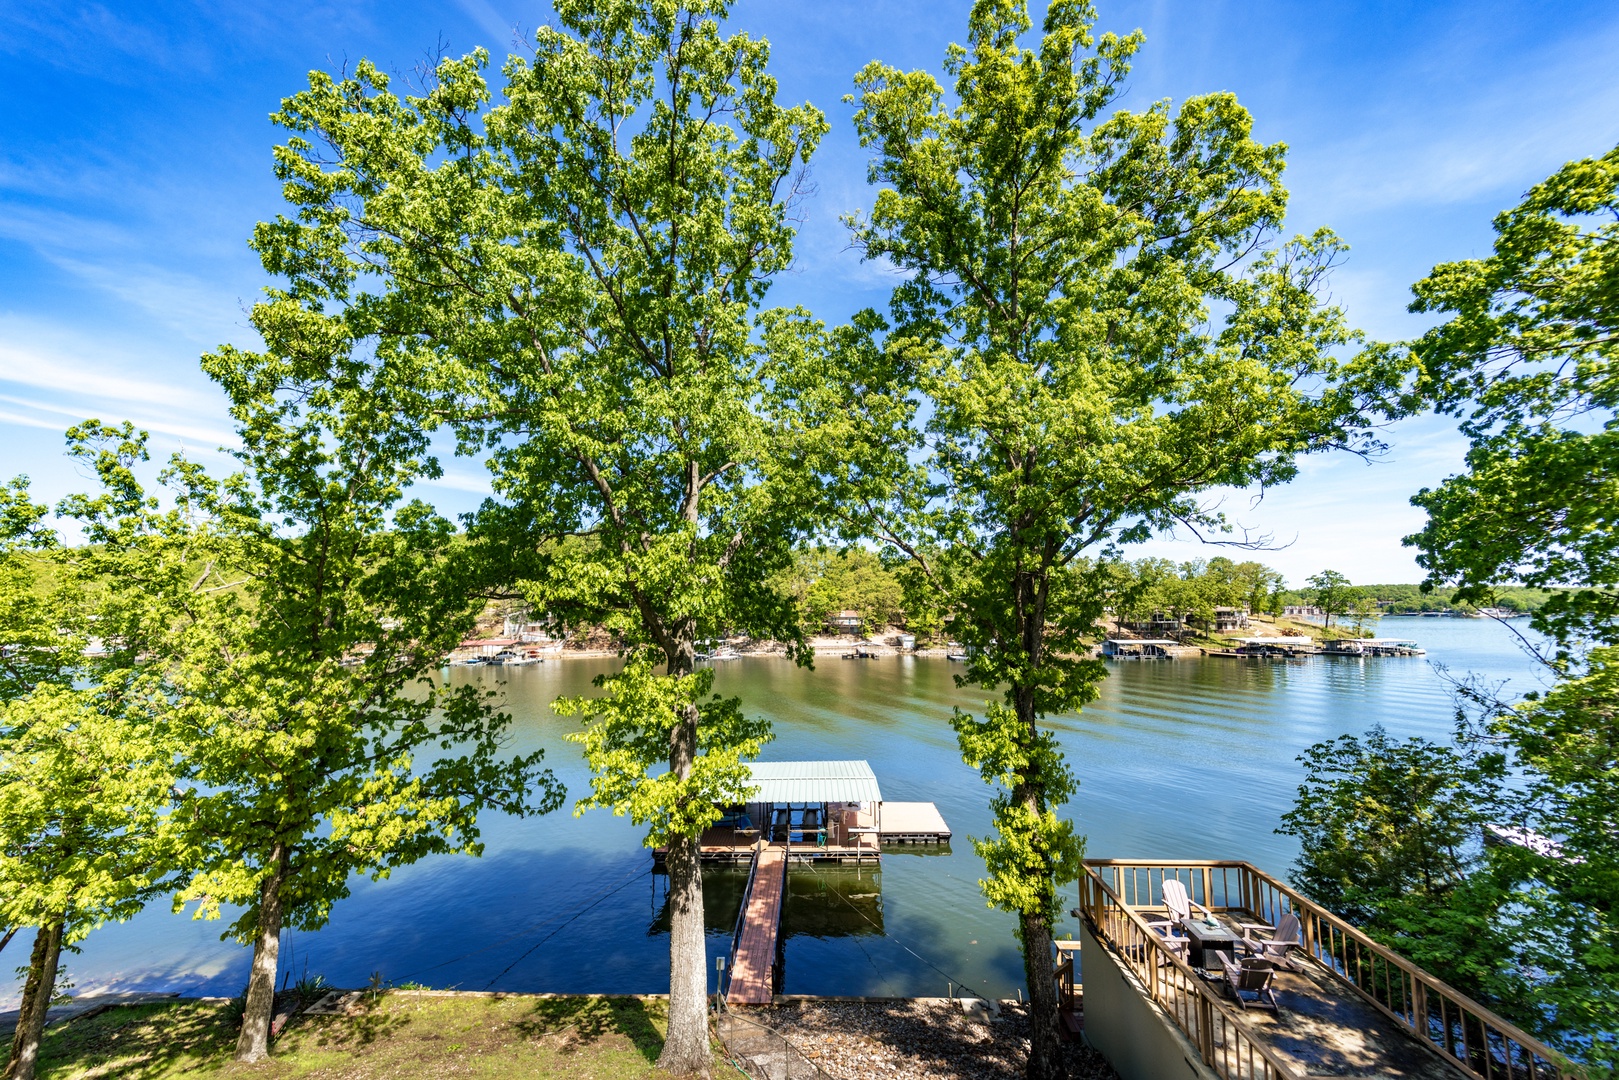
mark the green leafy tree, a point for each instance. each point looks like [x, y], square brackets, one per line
[1255, 583]
[1103, 328]
[1389, 835]
[85, 773]
[1526, 357]
[1149, 588]
[1364, 610]
[1381, 818]
[1565, 744]
[1332, 593]
[572, 278]
[825, 581]
[319, 746]
[82, 793]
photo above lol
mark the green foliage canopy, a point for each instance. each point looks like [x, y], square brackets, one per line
[572, 279]
[1103, 328]
[1332, 592]
[1527, 357]
[824, 581]
[86, 767]
[319, 745]
[1389, 839]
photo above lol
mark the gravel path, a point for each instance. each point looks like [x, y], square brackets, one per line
[916, 1040]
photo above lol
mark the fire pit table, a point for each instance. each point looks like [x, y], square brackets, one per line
[1209, 935]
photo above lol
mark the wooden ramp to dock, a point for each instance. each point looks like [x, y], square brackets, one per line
[912, 823]
[753, 963]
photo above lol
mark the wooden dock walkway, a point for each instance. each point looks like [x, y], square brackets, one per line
[753, 963]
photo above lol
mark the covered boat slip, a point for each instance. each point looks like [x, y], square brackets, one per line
[801, 811]
[818, 810]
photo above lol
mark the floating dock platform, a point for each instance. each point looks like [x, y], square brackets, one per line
[911, 823]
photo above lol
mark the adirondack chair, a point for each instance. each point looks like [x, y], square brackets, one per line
[1251, 975]
[1275, 943]
[1180, 902]
[1180, 905]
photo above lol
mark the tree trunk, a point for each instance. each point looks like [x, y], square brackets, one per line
[1040, 969]
[685, 1048]
[253, 1044]
[1039, 965]
[36, 999]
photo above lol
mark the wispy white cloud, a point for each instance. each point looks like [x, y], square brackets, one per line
[214, 437]
[199, 309]
[477, 483]
[1433, 141]
[21, 420]
[51, 377]
[501, 32]
[116, 377]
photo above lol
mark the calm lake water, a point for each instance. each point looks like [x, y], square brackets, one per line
[1186, 759]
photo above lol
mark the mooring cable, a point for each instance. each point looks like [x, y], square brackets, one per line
[524, 932]
[621, 886]
[949, 978]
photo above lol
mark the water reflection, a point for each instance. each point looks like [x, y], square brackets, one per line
[833, 902]
[568, 904]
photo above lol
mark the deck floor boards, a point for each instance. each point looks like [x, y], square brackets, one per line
[753, 966]
[913, 819]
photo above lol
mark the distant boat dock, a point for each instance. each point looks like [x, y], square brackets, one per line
[1261, 648]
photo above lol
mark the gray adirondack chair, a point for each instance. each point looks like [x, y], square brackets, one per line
[1275, 943]
[1251, 975]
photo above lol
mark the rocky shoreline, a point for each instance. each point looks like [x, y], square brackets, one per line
[914, 1039]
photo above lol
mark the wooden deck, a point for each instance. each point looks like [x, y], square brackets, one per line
[1346, 1005]
[753, 964]
[913, 823]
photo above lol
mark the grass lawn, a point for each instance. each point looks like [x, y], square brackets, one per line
[398, 1035]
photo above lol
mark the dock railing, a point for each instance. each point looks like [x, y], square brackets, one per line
[1068, 991]
[1465, 1033]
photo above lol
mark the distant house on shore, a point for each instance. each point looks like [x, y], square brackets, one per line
[521, 627]
[1227, 619]
[1302, 611]
[1157, 624]
[844, 622]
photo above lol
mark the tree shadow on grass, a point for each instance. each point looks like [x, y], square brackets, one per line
[137, 1042]
[572, 1022]
[365, 1023]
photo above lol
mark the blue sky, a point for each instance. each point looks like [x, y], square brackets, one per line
[135, 154]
